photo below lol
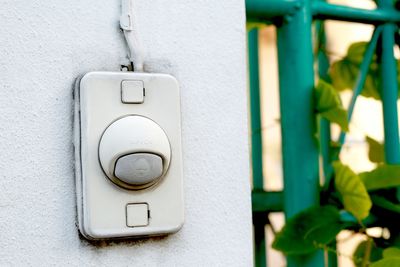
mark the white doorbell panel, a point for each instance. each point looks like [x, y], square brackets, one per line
[128, 155]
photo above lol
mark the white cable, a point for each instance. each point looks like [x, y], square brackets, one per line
[127, 23]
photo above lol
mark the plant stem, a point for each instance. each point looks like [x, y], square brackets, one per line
[367, 254]
[271, 226]
[329, 249]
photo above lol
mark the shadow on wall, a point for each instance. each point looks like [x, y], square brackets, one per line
[119, 242]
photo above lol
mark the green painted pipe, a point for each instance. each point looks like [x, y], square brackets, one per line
[267, 201]
[296, 79]
[260, 10]
[256, 143]
[389, 89]
[255, 111]
[260, 219]
[299, 147]
[364, 69]
[362, 75]
[322, 10]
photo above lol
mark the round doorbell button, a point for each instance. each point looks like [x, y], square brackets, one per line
[134, 152]
[139, 168]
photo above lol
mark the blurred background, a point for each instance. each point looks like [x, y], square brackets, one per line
[367, 119]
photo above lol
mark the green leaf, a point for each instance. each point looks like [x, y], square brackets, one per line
[376, 150]
[341, 73]
[344, 72]
[389, 262]
[384, 176]
[355, 197]
[309, 230]
[376, 253]
[392, 252]
[383, 203]
[329, 106]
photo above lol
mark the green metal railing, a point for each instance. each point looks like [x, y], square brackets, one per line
[294, 20]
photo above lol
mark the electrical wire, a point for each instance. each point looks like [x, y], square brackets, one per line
[127, 24]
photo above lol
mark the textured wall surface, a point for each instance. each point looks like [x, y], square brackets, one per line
[44, 45]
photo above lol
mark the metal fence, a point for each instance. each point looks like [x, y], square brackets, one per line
[294, 20]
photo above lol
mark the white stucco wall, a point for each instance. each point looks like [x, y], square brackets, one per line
[44, 45]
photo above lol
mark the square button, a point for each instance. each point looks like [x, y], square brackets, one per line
[132, 92]
[137, 214]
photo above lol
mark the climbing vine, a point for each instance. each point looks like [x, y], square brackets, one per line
[350, 200]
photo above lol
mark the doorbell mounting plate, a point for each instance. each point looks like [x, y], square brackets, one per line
[127, 143]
